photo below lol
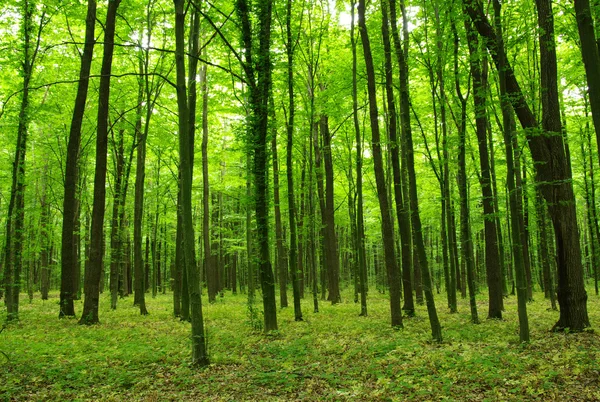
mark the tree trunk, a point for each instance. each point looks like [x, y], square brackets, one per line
[466, 237]
[404, 215]
[591, 59]
[558, 185]
[332, 259]
[281, 259]
[436, 329]
[492, 258]
[68, 261]
[94, 272]
[258, 75]
[555, 181]
[360, 221]
[186, 131]
[387, 226]
[296, 282]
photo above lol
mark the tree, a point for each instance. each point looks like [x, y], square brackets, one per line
[199, 352]
[94, 271]
[257, 69]
[68, 291]
[554, 175]
[13, 251]
[290, 44]
[387, 227]
[492, 257]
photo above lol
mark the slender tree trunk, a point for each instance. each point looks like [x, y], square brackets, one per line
[332, 259]
[115, 234]
[387, 226]
[404, 214]
[94, 271]
[466, 237]
[402, 217]
[436, 329]
[544, 252]
[199, 352]
[258, 74]
[281, 259]
[360, 222]
[68, 262]
[206, 230]
[289, 164]
[492, 258]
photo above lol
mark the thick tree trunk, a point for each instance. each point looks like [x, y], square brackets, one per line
[591, 59]
[553, 174]
[94, 271]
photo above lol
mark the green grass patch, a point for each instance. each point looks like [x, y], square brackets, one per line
[332, 355]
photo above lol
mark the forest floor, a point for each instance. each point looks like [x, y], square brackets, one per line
[332, 355]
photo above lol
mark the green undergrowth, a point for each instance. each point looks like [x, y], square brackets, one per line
[331, 355]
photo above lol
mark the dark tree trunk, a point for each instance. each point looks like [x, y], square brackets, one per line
[360, 222]
[492, 258]
[387, 226]
[296, 281]
[332, 258]
[436, 329]
[558, 185]
[552, 172]
[281, 258]
[401, 215]
[404, 215]
[68, 292]
[591, 59]
[199, 352]
[206, 232]
[115, 235]
[258, 75]
[45, 239]
[548, 280]
[466, 237]
[94, 271]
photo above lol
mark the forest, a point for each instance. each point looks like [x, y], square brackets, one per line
[299, 200]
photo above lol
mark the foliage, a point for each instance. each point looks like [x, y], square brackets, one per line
[332, 355]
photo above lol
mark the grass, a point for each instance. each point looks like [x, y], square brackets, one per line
[332, 355]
